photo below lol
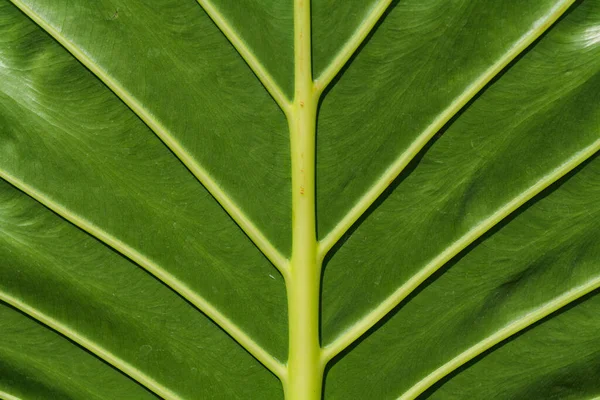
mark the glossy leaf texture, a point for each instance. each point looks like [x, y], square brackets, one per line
[146, 198]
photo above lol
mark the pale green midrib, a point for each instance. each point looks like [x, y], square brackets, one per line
[501, 335]
[7, 396]
[167, 279]
[305, 371]
[244, 51]
[349, 48]
[401, 162]
[234, 211]
[90, 345]
[368, 321]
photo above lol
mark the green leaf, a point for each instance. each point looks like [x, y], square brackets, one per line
[339, 199]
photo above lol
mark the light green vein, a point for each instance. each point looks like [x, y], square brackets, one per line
[17, 356]
[90, 345]
[6, 396]
[171, 281]
[236, 213]
[242, 48]
[401, 162]
[369, 320]
[351, 45]
[504, 333]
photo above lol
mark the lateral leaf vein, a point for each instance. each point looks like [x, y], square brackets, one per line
[234, 211]
[161, 274]
[370, 319]
[373, 193]
[244, 51]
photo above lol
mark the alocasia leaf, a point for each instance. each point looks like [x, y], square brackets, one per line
[339, 199]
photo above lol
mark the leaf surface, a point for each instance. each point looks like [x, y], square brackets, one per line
[163, 235]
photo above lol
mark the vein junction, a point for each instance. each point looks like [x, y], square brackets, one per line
[302, 376]
[307, 359]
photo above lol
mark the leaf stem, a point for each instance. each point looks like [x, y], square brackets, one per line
[305, 368]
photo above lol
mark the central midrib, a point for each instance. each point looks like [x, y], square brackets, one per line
[304, 368]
